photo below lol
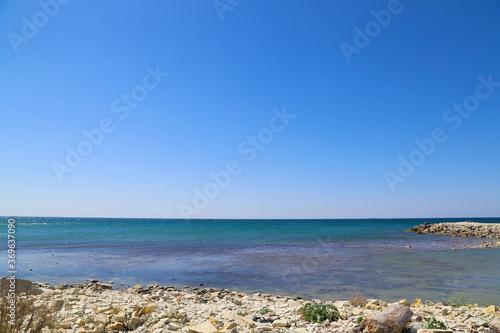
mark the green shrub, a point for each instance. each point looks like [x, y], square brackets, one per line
[433, 323]
[318, 312]
[359, 320]
[265, 310]
[243, 314]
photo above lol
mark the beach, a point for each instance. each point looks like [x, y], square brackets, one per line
[94, 307]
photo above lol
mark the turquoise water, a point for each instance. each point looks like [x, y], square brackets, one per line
[325, 259]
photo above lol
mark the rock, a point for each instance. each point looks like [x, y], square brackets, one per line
[205, 327]
[104, 285]
[57, 304]
[101, 319]
[146, 310]
[477, 322]
[417, 302]
[372, 306]
[65, 326]
[37, 291]
[404, 302]
[244, 321]
[99, 329]
[391, 320]
[281, 323]
[229, 327]
[121, 317]
[357, 311]
[429, 330]
[415, 327]
[134, 322]
[490, 309]
[22, 286]
[72, 291]
[115, 326]
[137, 287]
[495, 323]
[214, 321]
[174, 326]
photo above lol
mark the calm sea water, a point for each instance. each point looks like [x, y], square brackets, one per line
[325, 259]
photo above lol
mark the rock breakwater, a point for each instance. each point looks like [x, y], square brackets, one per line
[463, 229]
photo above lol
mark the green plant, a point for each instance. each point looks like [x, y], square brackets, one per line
[243, 314]
[433, 323]
[359, 320]
[318, 312]
[265, 310]
[459, 301]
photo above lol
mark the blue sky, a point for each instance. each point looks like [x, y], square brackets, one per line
[330, 127]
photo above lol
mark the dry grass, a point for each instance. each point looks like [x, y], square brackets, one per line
[29, 318]
[358, 299]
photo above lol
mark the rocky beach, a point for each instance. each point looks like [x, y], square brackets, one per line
[95, 307]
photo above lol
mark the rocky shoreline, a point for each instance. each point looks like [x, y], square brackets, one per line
[491, 231]
[95, 307]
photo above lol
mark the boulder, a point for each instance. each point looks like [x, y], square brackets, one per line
[392, 320]
[22, 286]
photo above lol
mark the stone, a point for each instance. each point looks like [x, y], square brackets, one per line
[417, 302]
[65, 326]
[490, 309]
[104, 285]
[357, 311]
[281, 323]
[392, 320]
[372, 306]
[134, 322]
[99, 329]
[205, 327]
[229, 327]
[101, 319]
[495, 323]
[415, 327]
[37, 291]
[429, 330]
[214, 321]
[137, 287]
[115, 326]
[174, 326]
[147, 310]
[57, 304]
[121, 317]
[404, 302]
[243, 321]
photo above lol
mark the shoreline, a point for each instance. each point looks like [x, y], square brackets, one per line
[96, 307]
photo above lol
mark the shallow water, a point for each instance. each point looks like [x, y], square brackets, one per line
[325, 259]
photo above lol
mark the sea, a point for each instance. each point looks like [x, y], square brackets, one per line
[313, 259]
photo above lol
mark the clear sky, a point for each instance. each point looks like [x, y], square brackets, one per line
[250, 109]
